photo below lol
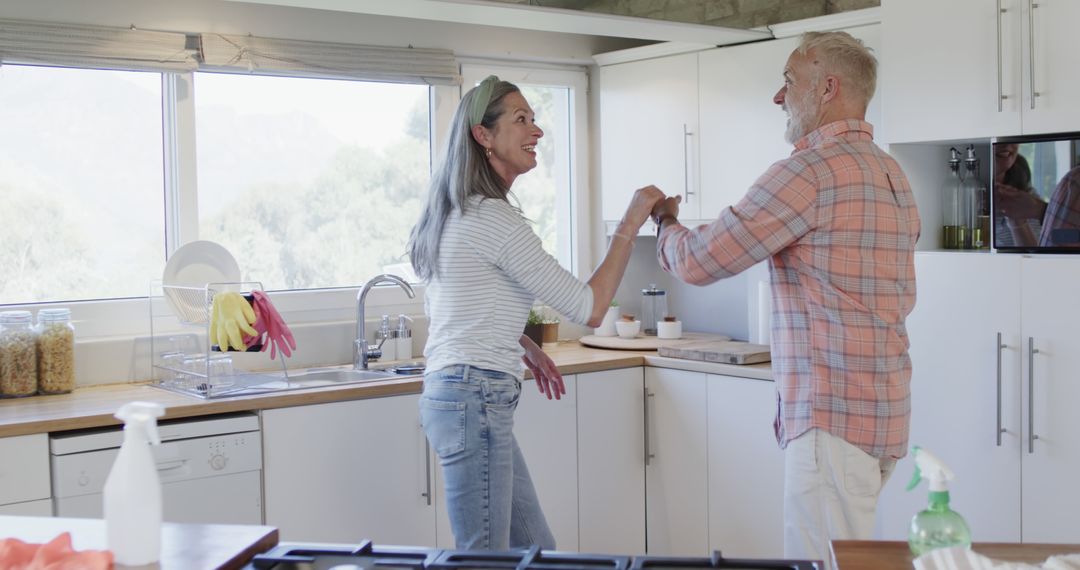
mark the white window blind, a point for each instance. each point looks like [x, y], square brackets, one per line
[274, 56]
[101, 47]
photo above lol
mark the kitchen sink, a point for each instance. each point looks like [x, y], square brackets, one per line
[244, 384]
[339, 376]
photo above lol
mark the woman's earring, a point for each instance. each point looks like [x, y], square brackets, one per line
[488, 152]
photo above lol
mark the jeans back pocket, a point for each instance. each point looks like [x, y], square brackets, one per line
[444, 425]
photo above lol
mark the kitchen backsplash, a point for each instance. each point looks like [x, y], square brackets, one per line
[718, 308]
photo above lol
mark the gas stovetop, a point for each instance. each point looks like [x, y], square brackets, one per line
[299, 556]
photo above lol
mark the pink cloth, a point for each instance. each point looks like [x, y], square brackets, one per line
[56, 554]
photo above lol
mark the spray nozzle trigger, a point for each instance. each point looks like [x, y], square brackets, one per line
[929, 467]
[142, 415]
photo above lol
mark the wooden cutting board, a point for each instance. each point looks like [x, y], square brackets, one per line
[643, 342]
[723, 351]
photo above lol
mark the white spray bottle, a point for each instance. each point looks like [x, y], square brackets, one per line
[133, 489]
[937, 526]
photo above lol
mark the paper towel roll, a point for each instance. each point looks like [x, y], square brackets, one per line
[764, 313]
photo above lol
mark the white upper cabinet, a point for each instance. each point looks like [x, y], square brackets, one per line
[1054, 67]
[742, 130]
[967, 68]
[648, 128]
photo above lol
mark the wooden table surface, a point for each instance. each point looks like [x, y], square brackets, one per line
[895, 555]
[183, 546]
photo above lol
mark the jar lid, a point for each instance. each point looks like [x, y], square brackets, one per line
[55, 314]
[15, 317]
[652, 290]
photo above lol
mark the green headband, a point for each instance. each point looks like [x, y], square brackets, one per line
[480, 100]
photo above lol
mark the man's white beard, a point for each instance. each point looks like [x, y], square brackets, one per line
[802, 117]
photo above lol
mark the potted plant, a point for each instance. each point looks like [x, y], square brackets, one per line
[534, 327]
[549, 330]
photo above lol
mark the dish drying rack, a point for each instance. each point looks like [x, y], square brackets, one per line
[185, 361]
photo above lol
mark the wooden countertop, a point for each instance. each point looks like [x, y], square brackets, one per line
[183, 546]
[895, 555]
[94, 406]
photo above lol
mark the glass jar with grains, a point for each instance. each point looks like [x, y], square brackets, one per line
[18, 355]
[56, 351]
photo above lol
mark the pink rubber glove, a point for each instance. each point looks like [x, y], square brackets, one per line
[278, 335]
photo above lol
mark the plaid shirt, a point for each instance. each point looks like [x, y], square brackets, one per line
[838, 223]
[1063, 210]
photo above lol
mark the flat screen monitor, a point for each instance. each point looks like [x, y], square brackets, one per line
[1035, 193]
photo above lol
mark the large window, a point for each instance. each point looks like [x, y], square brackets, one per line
[548, 195]
[311, 182]
[81, 183]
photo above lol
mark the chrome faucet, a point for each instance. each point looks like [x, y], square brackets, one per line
[362, 351]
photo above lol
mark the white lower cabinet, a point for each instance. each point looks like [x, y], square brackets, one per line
[611, 467]
[546, 432]
[994, 356]
[676, 470]
[25, 487]
[348, 471]
[746, 469]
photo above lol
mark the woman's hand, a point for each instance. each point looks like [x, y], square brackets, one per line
[641, 205]
[667, 207]
[545, 373]
[1017, 204]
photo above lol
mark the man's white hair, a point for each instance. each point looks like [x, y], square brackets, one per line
[839, 54]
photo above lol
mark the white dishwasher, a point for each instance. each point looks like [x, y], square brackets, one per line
[210, 469]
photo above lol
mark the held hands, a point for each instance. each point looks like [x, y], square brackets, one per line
[641, 205]
[667, 207]
[545, 373]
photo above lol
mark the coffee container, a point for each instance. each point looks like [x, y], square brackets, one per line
[653, 308]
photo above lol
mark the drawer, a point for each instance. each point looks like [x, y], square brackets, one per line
[24, 468]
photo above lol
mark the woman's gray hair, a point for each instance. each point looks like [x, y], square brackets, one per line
[463, 172]
[838, 53]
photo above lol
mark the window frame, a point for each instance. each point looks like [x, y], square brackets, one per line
[124, 319]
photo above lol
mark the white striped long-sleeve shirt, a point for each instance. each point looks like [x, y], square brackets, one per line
[491, 269]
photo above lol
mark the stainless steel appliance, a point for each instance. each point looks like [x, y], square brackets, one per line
[297, 556]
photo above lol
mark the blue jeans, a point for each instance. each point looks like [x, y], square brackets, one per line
[468, 416]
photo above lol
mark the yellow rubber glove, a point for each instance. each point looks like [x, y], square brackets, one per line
[231, 314]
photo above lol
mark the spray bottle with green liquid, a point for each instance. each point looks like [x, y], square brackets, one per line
[937, 526]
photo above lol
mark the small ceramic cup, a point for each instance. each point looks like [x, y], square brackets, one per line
[607, 326]
[669, 329]
[627, 329]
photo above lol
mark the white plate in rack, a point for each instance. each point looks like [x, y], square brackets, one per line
[193, 266]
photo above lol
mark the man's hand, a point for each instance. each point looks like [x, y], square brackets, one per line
[545, 373]
[666, 207]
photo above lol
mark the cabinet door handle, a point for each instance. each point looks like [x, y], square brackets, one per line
[1000, 430]
[1031, 50]
[1032, 351]
[649, 455]
[1000, 96]
[427, 471]
[686, 162]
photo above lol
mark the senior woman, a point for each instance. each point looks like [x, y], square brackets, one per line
[485, 267]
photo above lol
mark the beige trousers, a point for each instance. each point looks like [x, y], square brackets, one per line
[831, 489]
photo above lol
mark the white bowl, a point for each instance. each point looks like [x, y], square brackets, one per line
[627, 329]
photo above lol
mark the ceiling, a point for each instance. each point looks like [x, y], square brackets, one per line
[743, 14]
